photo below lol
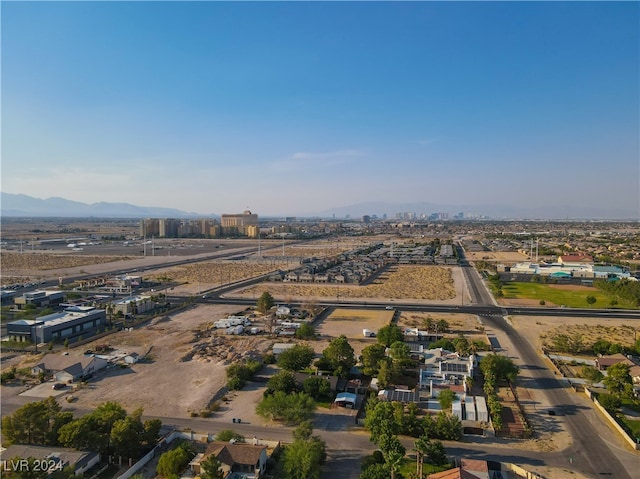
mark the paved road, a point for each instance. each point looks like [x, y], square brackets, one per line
[590, 454]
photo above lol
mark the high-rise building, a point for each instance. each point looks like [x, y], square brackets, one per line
[238, 224]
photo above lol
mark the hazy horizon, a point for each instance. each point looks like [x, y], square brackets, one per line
[297, 108]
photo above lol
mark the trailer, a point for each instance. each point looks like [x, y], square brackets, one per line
[290, 325]
[470, 408]
[235, 330]
[232, 321]
[456, 409]
[481, 407]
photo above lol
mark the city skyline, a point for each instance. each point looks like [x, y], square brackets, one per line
[298, 108]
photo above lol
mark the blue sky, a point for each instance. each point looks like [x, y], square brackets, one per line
[297, 108]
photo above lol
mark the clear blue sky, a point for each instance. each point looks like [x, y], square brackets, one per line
[297, 108]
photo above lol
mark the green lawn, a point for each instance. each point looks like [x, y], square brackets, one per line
[546, 292]
[633, 425]
[409, 465]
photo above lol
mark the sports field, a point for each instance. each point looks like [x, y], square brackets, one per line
[572, 296]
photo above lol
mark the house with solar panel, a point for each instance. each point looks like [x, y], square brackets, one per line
[442, 369]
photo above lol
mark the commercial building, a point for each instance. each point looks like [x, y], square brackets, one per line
[133, 305]
[71, 324]
[239, 224]
[39, 299]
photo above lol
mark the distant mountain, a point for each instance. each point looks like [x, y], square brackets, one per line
[23, 205]
[492, 211]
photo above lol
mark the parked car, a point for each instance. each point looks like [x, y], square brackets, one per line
[57, 386]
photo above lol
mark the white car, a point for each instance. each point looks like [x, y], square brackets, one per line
[389, 307]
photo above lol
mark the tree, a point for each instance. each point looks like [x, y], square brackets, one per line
[109, 430]
[591, 300]
[448, 426]
[610, 402]
[388, 335]
[618, 380]
[151, 431]
[36, 423]
[500, 367]
[380, 420]
[446, 398]
[462, 345]
[305, 331]
[591, 374]
[601, 346]
[339, 354]
[316, 387]
[291, 408]
[302, 458]
[371, 357]
[282, 381]
[428, 323]
[296, 358]
[125, 437]
[304, 431]
[211, 468]
[386, 373]
[399, 352]
[376, 471]
[442, 325]
[421, 446]
[393, 452]
[171, 463]
[435, 453]
[265, 302]
[227, 435]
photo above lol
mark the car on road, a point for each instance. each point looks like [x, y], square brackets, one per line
[389, 308]
[551, 412]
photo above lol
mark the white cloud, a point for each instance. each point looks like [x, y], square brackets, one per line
[304, 155]
[306, 159]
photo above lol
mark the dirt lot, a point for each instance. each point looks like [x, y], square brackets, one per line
[539, 329]
[434, 284]
[351, 322]
[184, 371]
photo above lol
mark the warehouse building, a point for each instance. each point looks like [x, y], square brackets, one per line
[71, 324]
[39, 299]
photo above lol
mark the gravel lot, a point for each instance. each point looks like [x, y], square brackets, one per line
[167, 385]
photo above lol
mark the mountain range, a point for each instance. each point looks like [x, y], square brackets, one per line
[18, 205]
[28, 206]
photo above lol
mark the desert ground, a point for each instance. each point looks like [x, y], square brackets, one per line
[433, 284]
[186, 365]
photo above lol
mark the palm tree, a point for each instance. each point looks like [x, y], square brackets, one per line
[110, 309]
[421, 447]
[393, 459]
